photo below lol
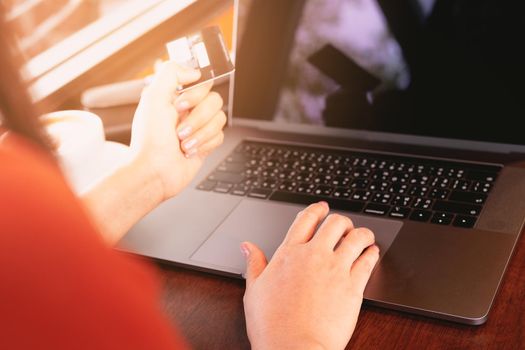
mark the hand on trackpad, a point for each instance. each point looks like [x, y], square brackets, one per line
[265, 223]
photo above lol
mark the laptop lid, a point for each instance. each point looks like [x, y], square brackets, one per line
[444, 73]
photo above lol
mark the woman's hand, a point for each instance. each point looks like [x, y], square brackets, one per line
[310, 294]
[172, 133]
[160, 167]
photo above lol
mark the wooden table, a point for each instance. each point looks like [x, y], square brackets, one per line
[209, 311]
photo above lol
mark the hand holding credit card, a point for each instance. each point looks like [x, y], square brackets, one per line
[205, 51]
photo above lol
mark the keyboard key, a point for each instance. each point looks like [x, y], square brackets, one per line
[268, 183]
[222, 176]
[325, 169]
[438, 171]
[442, 218]
[465, 221]
[457, 208]
[341, 181]
[440, 182]
[231, 167]
[334, 203]
[323, 190]
[207, 185]
[286, 174]
[377, 209]
[382, 198]
[360, 173]
[400, 177]
[303, 177]
[380, 186]
[305, 187]
[341, 192]
[421, 215]
[468, 197]
[438, 193]
[288, 186]
[400, 212]
[422, 203]
[261, 193]
[402, 201]
[322, 179]
[361, 195]
[238, 158]
[223, 187]
[380, 175]
[360, 184]
[240, 190]
[420, 180]
[399, 188]
[481, 176]
[482, 187]
[343, 170]
[461, 185]
[418, 191]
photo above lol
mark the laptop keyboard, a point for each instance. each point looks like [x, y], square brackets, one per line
[419, 189]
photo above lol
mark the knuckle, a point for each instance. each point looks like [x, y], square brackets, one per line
[220, 119]
[369, 264]
[216, 98]
[334, 217]
[338, 218]
[363, 234]
[215, 142]
[223, 118]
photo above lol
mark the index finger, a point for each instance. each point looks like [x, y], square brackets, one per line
[190, 98]
[169, 76]
[305, 224]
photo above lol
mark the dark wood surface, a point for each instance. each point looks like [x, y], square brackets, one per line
[208, 310]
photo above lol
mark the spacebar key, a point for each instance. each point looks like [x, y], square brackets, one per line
[334, 203]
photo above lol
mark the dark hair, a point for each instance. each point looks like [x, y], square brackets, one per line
[17, 111]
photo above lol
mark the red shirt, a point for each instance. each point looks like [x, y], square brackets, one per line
[61, 287]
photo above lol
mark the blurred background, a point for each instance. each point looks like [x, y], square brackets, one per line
[69, 46]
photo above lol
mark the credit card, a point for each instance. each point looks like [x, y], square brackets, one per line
[205, 51]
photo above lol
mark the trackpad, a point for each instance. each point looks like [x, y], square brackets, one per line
[265, 224]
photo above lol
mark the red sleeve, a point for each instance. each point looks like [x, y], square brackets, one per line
[60, 286]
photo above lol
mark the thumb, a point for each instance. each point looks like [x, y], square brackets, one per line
[169, 76]
[255, 262]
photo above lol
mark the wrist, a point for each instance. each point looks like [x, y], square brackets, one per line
[148, 178]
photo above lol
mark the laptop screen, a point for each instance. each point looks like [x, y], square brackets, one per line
[444, 68]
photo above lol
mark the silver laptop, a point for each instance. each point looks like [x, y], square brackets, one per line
[398, 116]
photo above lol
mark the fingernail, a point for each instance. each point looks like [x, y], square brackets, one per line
[189, 144]
[325, 204]
[183, 106]
[184, 132]
[244, 250]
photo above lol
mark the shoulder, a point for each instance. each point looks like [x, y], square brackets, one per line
[64, 285]
[31, 185]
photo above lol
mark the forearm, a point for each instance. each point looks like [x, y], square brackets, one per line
[122, 199]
